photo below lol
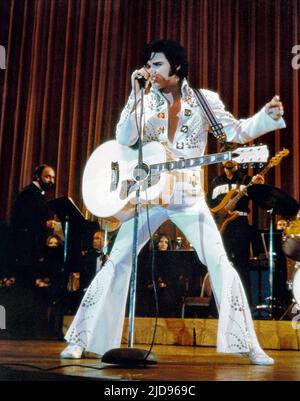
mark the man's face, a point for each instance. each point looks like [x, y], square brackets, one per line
[159, 69]
[47, 179]
[230, 165]
[98, 240]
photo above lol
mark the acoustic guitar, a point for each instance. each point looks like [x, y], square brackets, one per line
[111, 176]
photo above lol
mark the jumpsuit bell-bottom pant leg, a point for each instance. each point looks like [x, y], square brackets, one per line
[98, 323]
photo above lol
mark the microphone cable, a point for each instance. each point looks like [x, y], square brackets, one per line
[152, 253]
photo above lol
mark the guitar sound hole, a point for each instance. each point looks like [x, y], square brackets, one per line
[140, 174]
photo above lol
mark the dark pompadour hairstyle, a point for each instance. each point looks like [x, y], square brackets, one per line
[174, 53]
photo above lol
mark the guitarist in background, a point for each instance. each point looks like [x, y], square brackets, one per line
[237, 234]
[172, 115]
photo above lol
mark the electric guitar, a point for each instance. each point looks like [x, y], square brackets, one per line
[224, 212]
[111, 176]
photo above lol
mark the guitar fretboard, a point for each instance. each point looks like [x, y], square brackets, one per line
[189, 163]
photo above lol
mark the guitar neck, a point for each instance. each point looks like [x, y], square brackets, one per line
[232, 203]
[189, 163]
[265, 169]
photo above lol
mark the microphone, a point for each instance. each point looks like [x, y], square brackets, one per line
[141, 80]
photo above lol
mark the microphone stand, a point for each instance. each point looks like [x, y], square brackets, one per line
[132, 357]
[269, 306]
[271, 263]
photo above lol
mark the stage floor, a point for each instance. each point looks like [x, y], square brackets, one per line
[175, 363]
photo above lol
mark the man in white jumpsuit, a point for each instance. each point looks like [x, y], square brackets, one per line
[172, 115]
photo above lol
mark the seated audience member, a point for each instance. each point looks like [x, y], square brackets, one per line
[166, 287]
[93, 260]
[51, 285]
[281, 225]
[163, 243]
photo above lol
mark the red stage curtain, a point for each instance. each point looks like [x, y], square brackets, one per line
[68, 74]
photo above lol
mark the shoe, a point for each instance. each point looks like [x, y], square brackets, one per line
[260, 358]
[72, 351]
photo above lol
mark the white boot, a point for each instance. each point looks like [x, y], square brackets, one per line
[72, 351]
[259, 357]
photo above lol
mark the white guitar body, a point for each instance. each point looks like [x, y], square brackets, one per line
[110, 176]
[99, 197]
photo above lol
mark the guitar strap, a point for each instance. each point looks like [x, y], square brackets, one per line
[216, 127]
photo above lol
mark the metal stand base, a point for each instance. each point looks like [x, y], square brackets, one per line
[270, 307]
[129, 357]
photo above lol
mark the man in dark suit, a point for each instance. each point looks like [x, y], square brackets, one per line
[30, 224]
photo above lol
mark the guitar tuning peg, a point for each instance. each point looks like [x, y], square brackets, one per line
[244, 165]
[261, 165]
